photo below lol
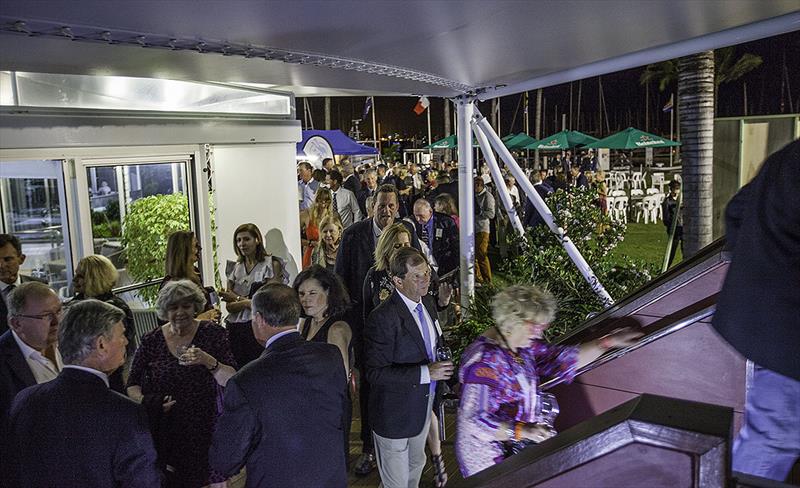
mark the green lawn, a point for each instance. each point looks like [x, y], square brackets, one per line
[647, 242]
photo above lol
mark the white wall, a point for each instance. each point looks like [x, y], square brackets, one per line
[258, 183]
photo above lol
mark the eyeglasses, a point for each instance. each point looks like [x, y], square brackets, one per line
[51, 316]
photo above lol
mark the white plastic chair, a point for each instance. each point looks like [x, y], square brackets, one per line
[621, 209]
[636, 180]
[657, 180]
[637, 192]
[618, 193]
[647, 208]
[652, 191]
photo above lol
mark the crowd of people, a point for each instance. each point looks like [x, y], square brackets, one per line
[204, 397]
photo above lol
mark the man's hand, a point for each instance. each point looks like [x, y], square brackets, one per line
[440, 370]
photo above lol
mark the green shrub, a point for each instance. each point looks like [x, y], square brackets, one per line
[542, 260]
[148, 224]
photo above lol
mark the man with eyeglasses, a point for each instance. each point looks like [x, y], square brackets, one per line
[28, 355]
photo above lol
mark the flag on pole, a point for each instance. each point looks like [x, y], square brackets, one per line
[367, 107]
[422, 104]
[668, 106]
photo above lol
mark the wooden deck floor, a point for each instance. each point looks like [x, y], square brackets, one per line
[373, 479]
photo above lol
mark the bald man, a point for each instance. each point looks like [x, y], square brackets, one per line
[440, 234]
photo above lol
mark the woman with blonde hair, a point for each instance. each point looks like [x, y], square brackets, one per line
[183, 254]
[324, 254]
[95, 276]
[310, 221]
[501, 408]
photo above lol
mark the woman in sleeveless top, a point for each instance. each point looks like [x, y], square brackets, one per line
[310, 221]
[324, 300]
[254, 266]
[183, 253]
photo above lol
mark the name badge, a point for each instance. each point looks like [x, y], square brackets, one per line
[438, 327]
[438, 232]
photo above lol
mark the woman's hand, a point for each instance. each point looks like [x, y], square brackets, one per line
[213, 314]
[168, 403]
[620, 338]
[537, 432]
[196, 356]
[445, 293]
[228, 296]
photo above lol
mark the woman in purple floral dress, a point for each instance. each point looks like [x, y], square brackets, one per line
[178, 373]
[500, 374]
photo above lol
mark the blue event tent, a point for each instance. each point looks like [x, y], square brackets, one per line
[340, 143]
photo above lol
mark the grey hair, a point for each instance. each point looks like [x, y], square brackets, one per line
[517, 304]
[84, 322]
[19, 296]
[278, 304]
[178, 291]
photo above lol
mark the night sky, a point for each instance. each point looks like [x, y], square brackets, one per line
[767, 93]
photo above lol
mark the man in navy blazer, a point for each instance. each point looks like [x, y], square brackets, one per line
[441, 233]
[74, 431]
[354, 258]
[282, 415]
[401, 338]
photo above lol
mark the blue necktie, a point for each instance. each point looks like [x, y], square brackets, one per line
[426, 335]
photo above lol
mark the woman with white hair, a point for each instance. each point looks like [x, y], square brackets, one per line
[501, 408]
[178, 372]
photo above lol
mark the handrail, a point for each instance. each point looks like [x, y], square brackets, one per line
[137, 286]
[618, 353]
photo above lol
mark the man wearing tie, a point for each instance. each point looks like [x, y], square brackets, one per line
[344, 200]
[439, 232]
[283, 413]
[88, 434]
[27, 352]
[371, 186]
[401, 336]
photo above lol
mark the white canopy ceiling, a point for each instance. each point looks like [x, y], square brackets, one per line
[439, 48]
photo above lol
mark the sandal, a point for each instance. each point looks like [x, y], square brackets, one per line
[440, 475]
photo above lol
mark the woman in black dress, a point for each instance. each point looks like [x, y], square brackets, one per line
[325, 300]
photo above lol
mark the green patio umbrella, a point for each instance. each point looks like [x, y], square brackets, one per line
[559, 141]
[519, 141]
[631, 138]
[508, 137]
[449, 142]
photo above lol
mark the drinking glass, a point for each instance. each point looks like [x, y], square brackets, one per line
[182, 350]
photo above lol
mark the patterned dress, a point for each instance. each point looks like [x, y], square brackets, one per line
[183, 435]
[496, 389]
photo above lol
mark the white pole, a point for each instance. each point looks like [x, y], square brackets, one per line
[374, 127]
[499, 182]
[430, 141]
[541, 207]
[466, 200]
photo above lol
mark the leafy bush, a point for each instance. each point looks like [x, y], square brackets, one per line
[542, 260]
[148, 224]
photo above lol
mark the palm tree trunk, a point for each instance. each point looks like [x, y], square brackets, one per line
[327, 113]
[696, 105]
[447, 156]
[538, 125]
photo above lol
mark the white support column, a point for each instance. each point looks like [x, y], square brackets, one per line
[466, 200]
[499, 182]
[542, 208]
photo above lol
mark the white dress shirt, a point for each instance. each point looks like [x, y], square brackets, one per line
[278, 336]
[347, 206]
[42, 368]
[425, 375]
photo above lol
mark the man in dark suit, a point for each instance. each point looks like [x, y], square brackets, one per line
[87, 434]
[439, 232]
[531, 217]
[27, 352]
[577, 178]
[758, 313]
[402, 335]
[370, 188]
[351, 181]
[354, 258]
[11, 258]
[283, 413]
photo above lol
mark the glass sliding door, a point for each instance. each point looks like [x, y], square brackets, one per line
[33, 207]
